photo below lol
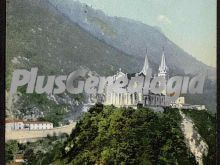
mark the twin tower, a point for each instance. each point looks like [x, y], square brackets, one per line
[132, 99]
[163, 69]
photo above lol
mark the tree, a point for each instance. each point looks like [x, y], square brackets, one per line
[11, 149]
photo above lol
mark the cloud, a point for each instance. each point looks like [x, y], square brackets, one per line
[164, 19]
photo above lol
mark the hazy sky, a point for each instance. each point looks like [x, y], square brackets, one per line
[191, 24]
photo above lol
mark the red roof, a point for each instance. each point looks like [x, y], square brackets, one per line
[26, 122]
[12, 120]
[37, 122]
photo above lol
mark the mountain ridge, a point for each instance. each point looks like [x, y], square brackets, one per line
[39, 36]
[131, 37]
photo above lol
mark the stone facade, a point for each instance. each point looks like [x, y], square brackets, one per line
[132, 99]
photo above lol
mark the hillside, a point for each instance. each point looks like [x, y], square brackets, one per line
[126, 136]
[132, 37]
[206, 126]
[42, 35]
[110, 135]
[39, 36]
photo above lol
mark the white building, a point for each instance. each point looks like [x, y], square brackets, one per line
[121, 99]
[132, 99]
[38, 125]
[12, 125]
[126, 99]
[178, 103]
[195, 107]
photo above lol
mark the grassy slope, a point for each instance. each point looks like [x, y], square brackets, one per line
[38, 32]
[49, 41]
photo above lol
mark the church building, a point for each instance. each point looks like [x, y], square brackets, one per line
[133, 99]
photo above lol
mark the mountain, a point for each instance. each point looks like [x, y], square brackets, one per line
[131, 37]
[39, 36]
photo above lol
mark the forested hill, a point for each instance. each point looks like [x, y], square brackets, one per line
[110, 135]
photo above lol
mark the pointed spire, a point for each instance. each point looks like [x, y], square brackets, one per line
[163, 67]
[146, 65]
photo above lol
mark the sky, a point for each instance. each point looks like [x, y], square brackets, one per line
[191, 24]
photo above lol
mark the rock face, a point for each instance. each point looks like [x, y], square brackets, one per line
[197, 146]
[10, 104]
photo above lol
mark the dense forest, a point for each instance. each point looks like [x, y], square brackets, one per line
[110, 135]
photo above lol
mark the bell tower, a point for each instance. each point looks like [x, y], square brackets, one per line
[145, 67]
[163, 69]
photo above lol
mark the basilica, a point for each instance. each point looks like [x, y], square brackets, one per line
[133, 99]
